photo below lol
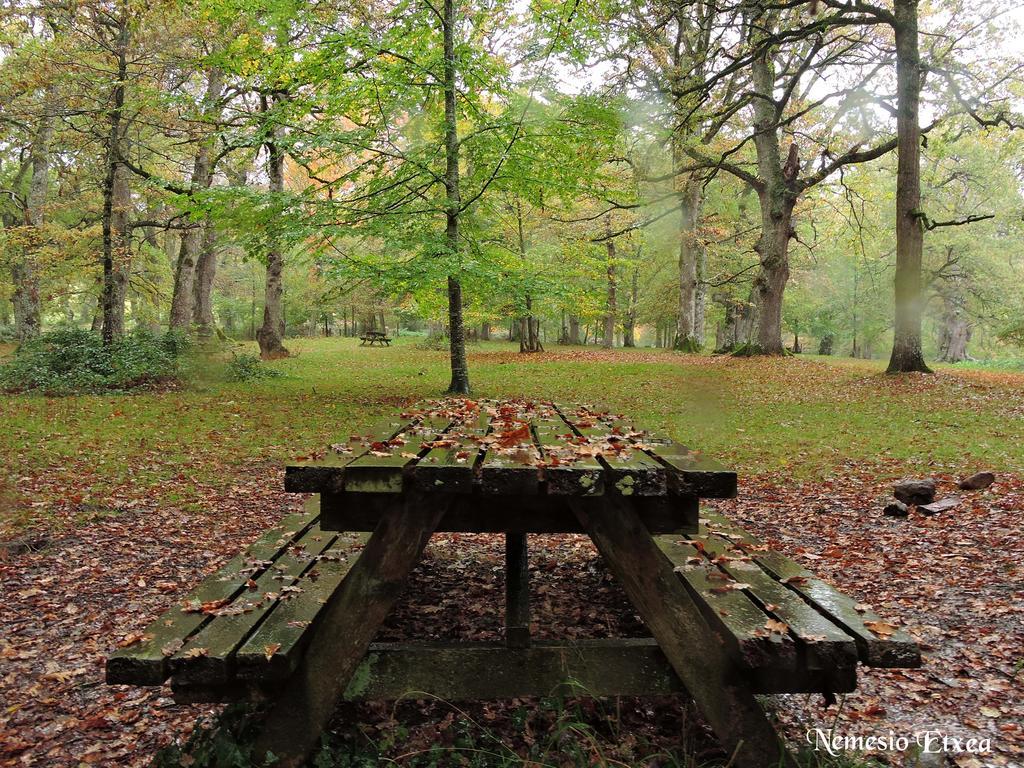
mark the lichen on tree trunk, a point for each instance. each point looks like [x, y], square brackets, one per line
[777, 195]
[907, 355]
[271, 334]
[611, 308]
[456, 332]
[26, 299]
[194, 238]
[206, 271]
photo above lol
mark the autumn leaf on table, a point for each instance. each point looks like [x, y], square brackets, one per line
[772, 625]
[881, 628]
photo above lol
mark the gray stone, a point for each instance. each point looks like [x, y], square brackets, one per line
[896, 509]
[977, 481]
[939, 506]
[915, 491]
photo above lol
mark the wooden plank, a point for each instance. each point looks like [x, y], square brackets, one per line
[511, 464]
[350, 619]
[273, 651]
[740, 620]
[895, 650]
[382, 469]
[472, 671]
[630, 472]
[823, 645]
[488, 671]
[450, 465]
[327, 473]
[145, 663]
[517, 591]
[568, 471]
[208, 656]
[474, 513]
[712, 678]
[690, 472]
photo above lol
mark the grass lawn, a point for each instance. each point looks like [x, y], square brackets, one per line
[803, 417]
[119, 504]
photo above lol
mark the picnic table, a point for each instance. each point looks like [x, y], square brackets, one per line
[292, 620]
[374, 337]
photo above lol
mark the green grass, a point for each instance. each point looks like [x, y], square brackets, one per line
[801, 416]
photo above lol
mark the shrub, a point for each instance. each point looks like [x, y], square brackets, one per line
[73, 361]
[249, 367]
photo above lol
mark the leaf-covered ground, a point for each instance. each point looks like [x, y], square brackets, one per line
[111, 507]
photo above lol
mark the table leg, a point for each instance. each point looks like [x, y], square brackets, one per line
[517, 591]
[356, 610]
[692, 647]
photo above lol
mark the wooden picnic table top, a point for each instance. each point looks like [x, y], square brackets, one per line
[511, 448]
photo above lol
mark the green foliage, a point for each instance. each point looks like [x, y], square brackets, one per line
[74, 361]
[249, 367]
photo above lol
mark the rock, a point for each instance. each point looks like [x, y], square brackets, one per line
[939, 506]
[977, 481]
[915, 491]
[896, 509]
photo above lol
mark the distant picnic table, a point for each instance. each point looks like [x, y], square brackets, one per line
[293, 618]
[374, 337]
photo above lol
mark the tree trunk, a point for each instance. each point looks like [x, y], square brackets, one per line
[574, 329]
[457, 337]
[701, 300]
[689, 254]
[611, 311]
[183, 298]
[114, 307]
[777, 196]
[485, 331]
[956, 330]
[907, 355]
[24, 273]
[116, 196]
[629, 327]
[271, 334]
[206, 271]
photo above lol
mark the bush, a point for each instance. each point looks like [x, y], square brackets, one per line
[74, 361]
[248, 367]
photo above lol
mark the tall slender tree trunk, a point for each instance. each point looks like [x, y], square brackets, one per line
[529, 326]
[24, 273]
[611, 309]
[456, 334]
[192, 240]
[690, 199]
[701, 300]
[629, 327]
[777, 195]
[271, 334]
[116, 197]
[907, 355]
[206, 271]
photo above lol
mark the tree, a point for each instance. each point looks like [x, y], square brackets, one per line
[194, 239]
[907, 355]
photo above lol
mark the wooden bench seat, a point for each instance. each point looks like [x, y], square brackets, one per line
[241, 633]
[252, 619]
[791, 630]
